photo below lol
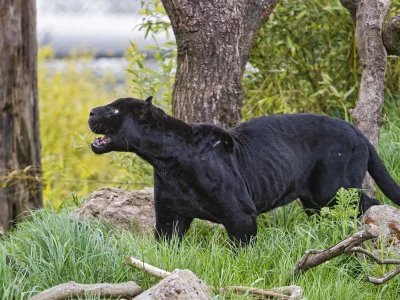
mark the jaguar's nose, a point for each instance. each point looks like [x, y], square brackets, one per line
[91, 114]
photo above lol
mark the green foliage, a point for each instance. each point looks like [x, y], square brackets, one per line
[144, 81]
[305, 60]
[343, 215]
[70, 169]
[389, 144]
[65, 99]
[35, 256]
[346, 206]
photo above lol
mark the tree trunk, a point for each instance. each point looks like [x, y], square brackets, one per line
[214, 39]
[20, 168]
[370, 16]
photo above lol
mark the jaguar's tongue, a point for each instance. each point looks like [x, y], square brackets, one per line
[101, 140]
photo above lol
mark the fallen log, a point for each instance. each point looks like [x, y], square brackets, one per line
[125, 290]
[294, 291]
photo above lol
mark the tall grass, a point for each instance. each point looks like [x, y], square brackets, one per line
[51, 249]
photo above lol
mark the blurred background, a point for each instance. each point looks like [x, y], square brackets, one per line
[104, 28]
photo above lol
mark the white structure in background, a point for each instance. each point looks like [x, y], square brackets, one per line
[103, 26]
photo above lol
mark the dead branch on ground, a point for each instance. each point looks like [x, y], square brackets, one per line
[137, 263]
[294, 291]
[348, 245]
[126, 290]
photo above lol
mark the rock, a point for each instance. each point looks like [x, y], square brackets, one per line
[180, 284]
[123, 209]
[387, 218]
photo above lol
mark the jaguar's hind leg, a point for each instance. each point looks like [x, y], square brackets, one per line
[325, 186]
[310, 208]
[366, 202]
[327, 178]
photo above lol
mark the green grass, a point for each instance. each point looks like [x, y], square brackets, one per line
[389, 145]
[51, 248]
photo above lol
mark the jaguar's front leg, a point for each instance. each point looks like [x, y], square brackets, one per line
[168, 225]
[164, 225]
[168, 221]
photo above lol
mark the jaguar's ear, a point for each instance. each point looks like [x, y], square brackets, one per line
[224, 138]
[147, 111]
[145, 114]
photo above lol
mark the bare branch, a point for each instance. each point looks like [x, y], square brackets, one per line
[104, 290]
[386, 277]
[137, 263]
[307, 262]
[348, 245]
[254, 291]
[294, 291]
[391, 36]
[374, 257]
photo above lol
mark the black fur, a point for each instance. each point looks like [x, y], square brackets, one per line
[230, 176]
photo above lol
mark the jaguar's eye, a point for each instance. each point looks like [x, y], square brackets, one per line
[116, 111]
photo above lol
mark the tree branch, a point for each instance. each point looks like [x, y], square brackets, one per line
[307, 262]
[254, 291]
[391, 36]
[126, 290]
[386, 277]
[295, 291]
[137, 263]
[348, 245]
[374, 257]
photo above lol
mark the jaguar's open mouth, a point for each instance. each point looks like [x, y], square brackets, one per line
[100, 144]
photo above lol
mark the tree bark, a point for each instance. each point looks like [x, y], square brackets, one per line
[391, 36]
[214, 39]
[20, 167]
[370, 16]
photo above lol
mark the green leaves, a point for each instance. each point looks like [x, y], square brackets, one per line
[312, 47]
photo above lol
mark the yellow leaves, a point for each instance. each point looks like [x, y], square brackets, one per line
[65, 99]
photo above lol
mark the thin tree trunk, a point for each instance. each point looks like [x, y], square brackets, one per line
[20, 175]
[391, 36]
[370, 16]
[214, 39]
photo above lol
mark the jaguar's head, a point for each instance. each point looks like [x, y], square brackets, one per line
[119, 122]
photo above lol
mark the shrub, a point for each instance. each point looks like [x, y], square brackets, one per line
[65, 98]
[305, 61]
